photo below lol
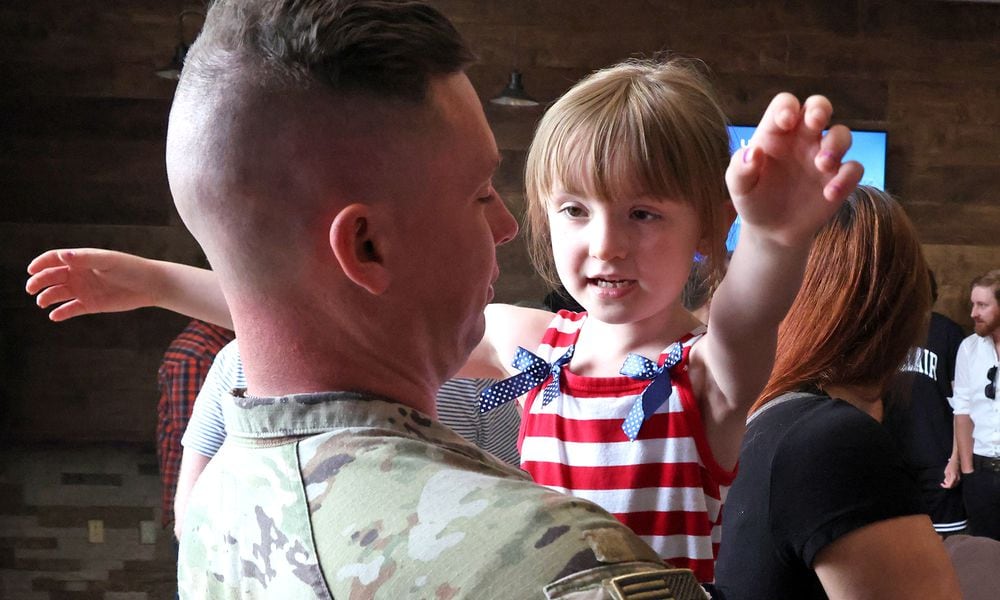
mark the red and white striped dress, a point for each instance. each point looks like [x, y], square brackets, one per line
[665, 485]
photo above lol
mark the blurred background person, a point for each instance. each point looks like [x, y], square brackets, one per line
[921, 420]
[977, 412]
[824, 505]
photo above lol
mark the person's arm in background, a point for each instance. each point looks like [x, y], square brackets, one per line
[86, 281]
[960, 399]
[192, 464]
[952, 470]
[963, 441]
[954, 337]
[900, 558]
[206, 431]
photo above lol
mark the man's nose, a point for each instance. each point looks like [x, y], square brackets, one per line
[502, 223]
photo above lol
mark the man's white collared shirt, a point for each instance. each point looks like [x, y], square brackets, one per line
[976, 356]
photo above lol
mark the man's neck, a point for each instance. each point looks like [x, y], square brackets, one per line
[283, 357]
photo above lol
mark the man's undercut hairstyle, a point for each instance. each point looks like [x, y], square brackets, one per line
[388, 49]
[990, 280]
[268, 82]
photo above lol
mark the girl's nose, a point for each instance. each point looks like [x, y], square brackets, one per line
[607, 242]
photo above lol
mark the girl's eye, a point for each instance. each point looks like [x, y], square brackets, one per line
[572, 211]
[644, 215]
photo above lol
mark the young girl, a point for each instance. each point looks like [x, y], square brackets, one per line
[626, 181]
[633, 404]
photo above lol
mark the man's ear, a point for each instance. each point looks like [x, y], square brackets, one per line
[356, 241]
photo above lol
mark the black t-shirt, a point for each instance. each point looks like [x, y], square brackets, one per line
[811, 470]
[919, 416]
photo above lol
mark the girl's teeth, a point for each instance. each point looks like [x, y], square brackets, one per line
[610, 284]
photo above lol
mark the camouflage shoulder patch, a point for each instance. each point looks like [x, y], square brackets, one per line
[665, 584]
[628, 581]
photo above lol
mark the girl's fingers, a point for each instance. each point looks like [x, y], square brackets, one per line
[844, 182]
[816, 113]
[744, 170]
[73, 308]
[47, 277]
[832, 148]
[54, 295]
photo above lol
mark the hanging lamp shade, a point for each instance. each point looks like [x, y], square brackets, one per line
[514, 94]
[172, 70]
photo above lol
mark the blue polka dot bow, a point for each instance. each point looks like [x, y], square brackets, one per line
[534, 372]
[656, 393]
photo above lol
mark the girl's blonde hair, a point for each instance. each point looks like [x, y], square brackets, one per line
[639, 128]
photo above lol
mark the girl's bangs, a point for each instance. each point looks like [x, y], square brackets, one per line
[610, 156]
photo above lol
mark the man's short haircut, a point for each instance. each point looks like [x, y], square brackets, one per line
[990, 279]
[388, 49]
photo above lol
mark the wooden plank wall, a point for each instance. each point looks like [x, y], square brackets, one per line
[82, 121]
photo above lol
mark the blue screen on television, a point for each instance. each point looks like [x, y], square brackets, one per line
[867, 147]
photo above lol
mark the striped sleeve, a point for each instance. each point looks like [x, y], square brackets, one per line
[206, 430]
[498, 428]
[495, 431]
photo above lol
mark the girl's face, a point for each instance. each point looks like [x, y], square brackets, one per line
[627, 260]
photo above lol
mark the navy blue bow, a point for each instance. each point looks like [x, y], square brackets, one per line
[534, 372]
[656, 393]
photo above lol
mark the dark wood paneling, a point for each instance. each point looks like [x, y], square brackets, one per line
[82, 123]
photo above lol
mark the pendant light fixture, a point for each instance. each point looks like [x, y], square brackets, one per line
[514, 94]
[172, 70]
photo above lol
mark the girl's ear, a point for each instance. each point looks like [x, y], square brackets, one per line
[356, 240]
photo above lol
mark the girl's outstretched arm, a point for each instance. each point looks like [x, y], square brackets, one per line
[507, 327]
[785, 185]
[85, 281]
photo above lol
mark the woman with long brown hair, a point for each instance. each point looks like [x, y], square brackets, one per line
[823, 506]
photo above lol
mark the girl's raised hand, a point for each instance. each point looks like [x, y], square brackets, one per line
[790, 179]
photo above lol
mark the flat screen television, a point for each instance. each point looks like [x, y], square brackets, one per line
[867, 147]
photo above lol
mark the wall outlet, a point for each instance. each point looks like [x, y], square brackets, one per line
[95, 531]
[147, 532]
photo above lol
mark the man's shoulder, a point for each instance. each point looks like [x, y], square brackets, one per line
[452, 521]
[383, 515]
[972, 344]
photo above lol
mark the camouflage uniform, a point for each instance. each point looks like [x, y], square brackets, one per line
[339, 495]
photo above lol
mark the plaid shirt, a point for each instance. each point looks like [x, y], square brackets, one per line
[182, 373]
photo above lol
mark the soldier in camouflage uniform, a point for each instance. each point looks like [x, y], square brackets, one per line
[377, 500]
[334, 162]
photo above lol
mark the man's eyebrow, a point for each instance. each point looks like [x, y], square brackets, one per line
[496, 167]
